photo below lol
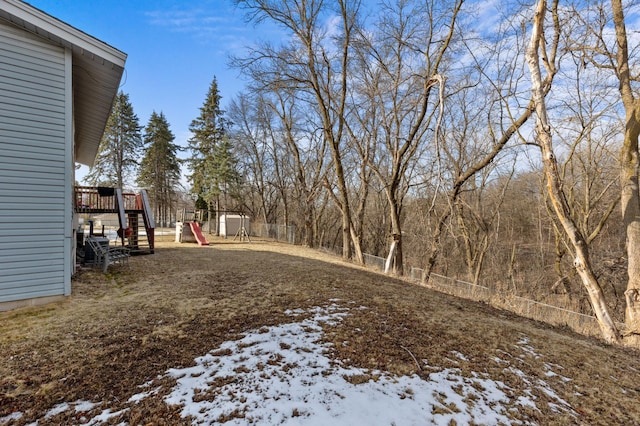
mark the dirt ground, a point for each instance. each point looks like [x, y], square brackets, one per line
[125, 328]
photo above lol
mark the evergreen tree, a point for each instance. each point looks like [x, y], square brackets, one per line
[120, 146]
[160, 167]
[212, 164]
[225, 174]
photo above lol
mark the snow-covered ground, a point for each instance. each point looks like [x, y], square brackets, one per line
[283, 375]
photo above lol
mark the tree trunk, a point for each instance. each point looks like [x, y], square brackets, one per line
[309, 230]
[468, 249]
[479, 259]
[396, 231]
[555, 183]
[629, 161]
[435, 247]
[630, 202]
[342, 199]
[395, 252]
[357, 246]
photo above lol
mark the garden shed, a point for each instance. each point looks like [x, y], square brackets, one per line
[57, 86]
[233, 224]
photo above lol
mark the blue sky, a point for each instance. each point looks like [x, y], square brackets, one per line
[174, 49]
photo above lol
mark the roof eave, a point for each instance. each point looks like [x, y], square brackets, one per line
[97, 71]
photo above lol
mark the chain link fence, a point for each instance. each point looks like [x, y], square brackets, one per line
[580, 323]
[374, 262]
[558, 316]
[284, 233]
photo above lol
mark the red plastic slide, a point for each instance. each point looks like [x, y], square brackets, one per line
[197, 232]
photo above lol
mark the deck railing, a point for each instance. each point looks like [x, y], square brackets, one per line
[102, 199]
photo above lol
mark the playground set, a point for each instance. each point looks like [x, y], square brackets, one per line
[189, 230]
[135, 220]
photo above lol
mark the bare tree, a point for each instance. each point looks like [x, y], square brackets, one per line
[586, 129]
[305, 150]
[253, 136]
[603, 43]
[404, 59]
[477, 213]
[630, 162]
[497, 68]
[538, 53]
[316, 62]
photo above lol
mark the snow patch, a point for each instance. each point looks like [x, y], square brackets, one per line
[285, 375]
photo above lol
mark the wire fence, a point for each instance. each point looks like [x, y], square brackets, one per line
[555, 315]
[374, 262]
[284, 233]
[533, 309]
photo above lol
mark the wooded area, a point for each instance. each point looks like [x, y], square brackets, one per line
[495, 143]
[485, 142]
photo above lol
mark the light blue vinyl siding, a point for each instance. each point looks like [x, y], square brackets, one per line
[34, 149]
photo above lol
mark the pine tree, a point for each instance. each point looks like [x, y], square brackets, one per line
[160, 167]
[212, 164]
[225, 174]
[120, 146]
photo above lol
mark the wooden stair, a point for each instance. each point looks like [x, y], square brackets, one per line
[136, 241]
[133, 211]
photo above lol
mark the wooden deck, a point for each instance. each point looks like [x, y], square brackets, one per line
[129, 207]
[104, 200]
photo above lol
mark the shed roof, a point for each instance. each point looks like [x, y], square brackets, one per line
[97, 70]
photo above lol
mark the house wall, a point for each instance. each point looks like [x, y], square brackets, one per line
[36, 174]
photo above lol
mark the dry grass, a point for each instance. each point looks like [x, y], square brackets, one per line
[125, 328]
[504, 299]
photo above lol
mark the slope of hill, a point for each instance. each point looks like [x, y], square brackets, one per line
[267, 333]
